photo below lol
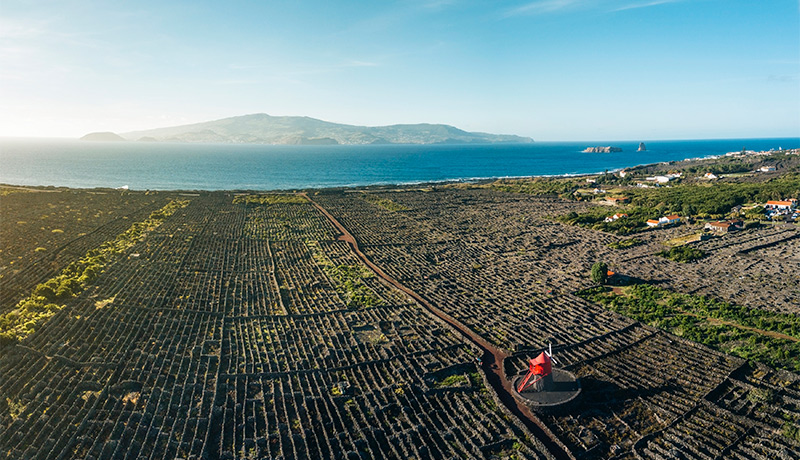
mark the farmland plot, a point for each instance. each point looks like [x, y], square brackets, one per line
[497, 263]
[242, 331]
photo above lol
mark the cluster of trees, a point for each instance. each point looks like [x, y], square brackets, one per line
[47, 298]
[701, 201]
[595, 219]
[745, 332]
[714, 201]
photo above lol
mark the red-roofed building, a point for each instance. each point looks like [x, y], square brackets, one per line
[615, 217]
[618, 199]
[724, 227]
[669, 220]
[780, 204]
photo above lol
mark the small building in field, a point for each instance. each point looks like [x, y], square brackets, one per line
[724, 227]
[767, 168]
[653, 223]
[670, 220]
[618, 200]
[615, 217]
[710, 176]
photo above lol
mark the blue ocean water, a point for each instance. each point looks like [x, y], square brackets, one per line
[174, 166]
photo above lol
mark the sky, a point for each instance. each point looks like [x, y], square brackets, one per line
[554, 70]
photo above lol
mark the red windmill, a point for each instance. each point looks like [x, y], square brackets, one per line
[540, 369]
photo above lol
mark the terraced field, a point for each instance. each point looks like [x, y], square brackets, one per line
[248, 328]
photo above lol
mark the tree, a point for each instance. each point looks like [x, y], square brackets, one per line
[600, 272]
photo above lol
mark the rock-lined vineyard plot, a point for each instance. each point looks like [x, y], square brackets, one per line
[501, 265]
[230, 331]
[363, 324]
[44, 230]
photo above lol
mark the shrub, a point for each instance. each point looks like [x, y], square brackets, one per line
[600, 272]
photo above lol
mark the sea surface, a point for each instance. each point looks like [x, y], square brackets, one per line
[176, 166]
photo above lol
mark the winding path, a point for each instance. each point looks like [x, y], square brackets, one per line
[493, 357]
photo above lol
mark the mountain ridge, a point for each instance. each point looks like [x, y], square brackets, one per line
[261, 128]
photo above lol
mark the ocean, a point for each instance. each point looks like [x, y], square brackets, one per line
[176, 166]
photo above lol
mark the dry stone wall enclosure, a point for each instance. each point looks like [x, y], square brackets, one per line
[245, 326]
[221, 335]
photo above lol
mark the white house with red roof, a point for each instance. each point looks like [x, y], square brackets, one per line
[790, 204]
[664, 221]
[615, 217]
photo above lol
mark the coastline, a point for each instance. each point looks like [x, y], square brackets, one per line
[187, 167]
[478, 180]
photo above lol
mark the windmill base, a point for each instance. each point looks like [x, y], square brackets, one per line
[563, 388]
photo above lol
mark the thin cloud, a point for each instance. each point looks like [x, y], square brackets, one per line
[543, 6]
[636, 5]
[438, 4]
[555, 6]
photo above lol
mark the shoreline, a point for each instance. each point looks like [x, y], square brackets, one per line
[420, 183]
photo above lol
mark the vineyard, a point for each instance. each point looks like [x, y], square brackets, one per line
[224, 334]
[246, 326]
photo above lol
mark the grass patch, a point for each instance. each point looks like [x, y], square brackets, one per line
[384, 203]
[347, 279]
[759, 335]
[270, 198]
[625, 244]
[682, 254]
[685, 239]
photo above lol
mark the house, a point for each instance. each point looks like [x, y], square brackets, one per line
[781, 204]
[724, 227]
[653, 223]
[669, 220]
[719, 227]
[710, 176]
[658, 179]
[623, 173]
[615, 217]
[767, 168]
[618, 200]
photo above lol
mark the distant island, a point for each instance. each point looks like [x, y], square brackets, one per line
[608, 149]
[261, 128]
[102, 136]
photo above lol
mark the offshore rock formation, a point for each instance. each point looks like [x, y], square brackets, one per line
[641, 148]
[608, 149]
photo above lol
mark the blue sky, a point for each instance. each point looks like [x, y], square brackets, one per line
[549, 69]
